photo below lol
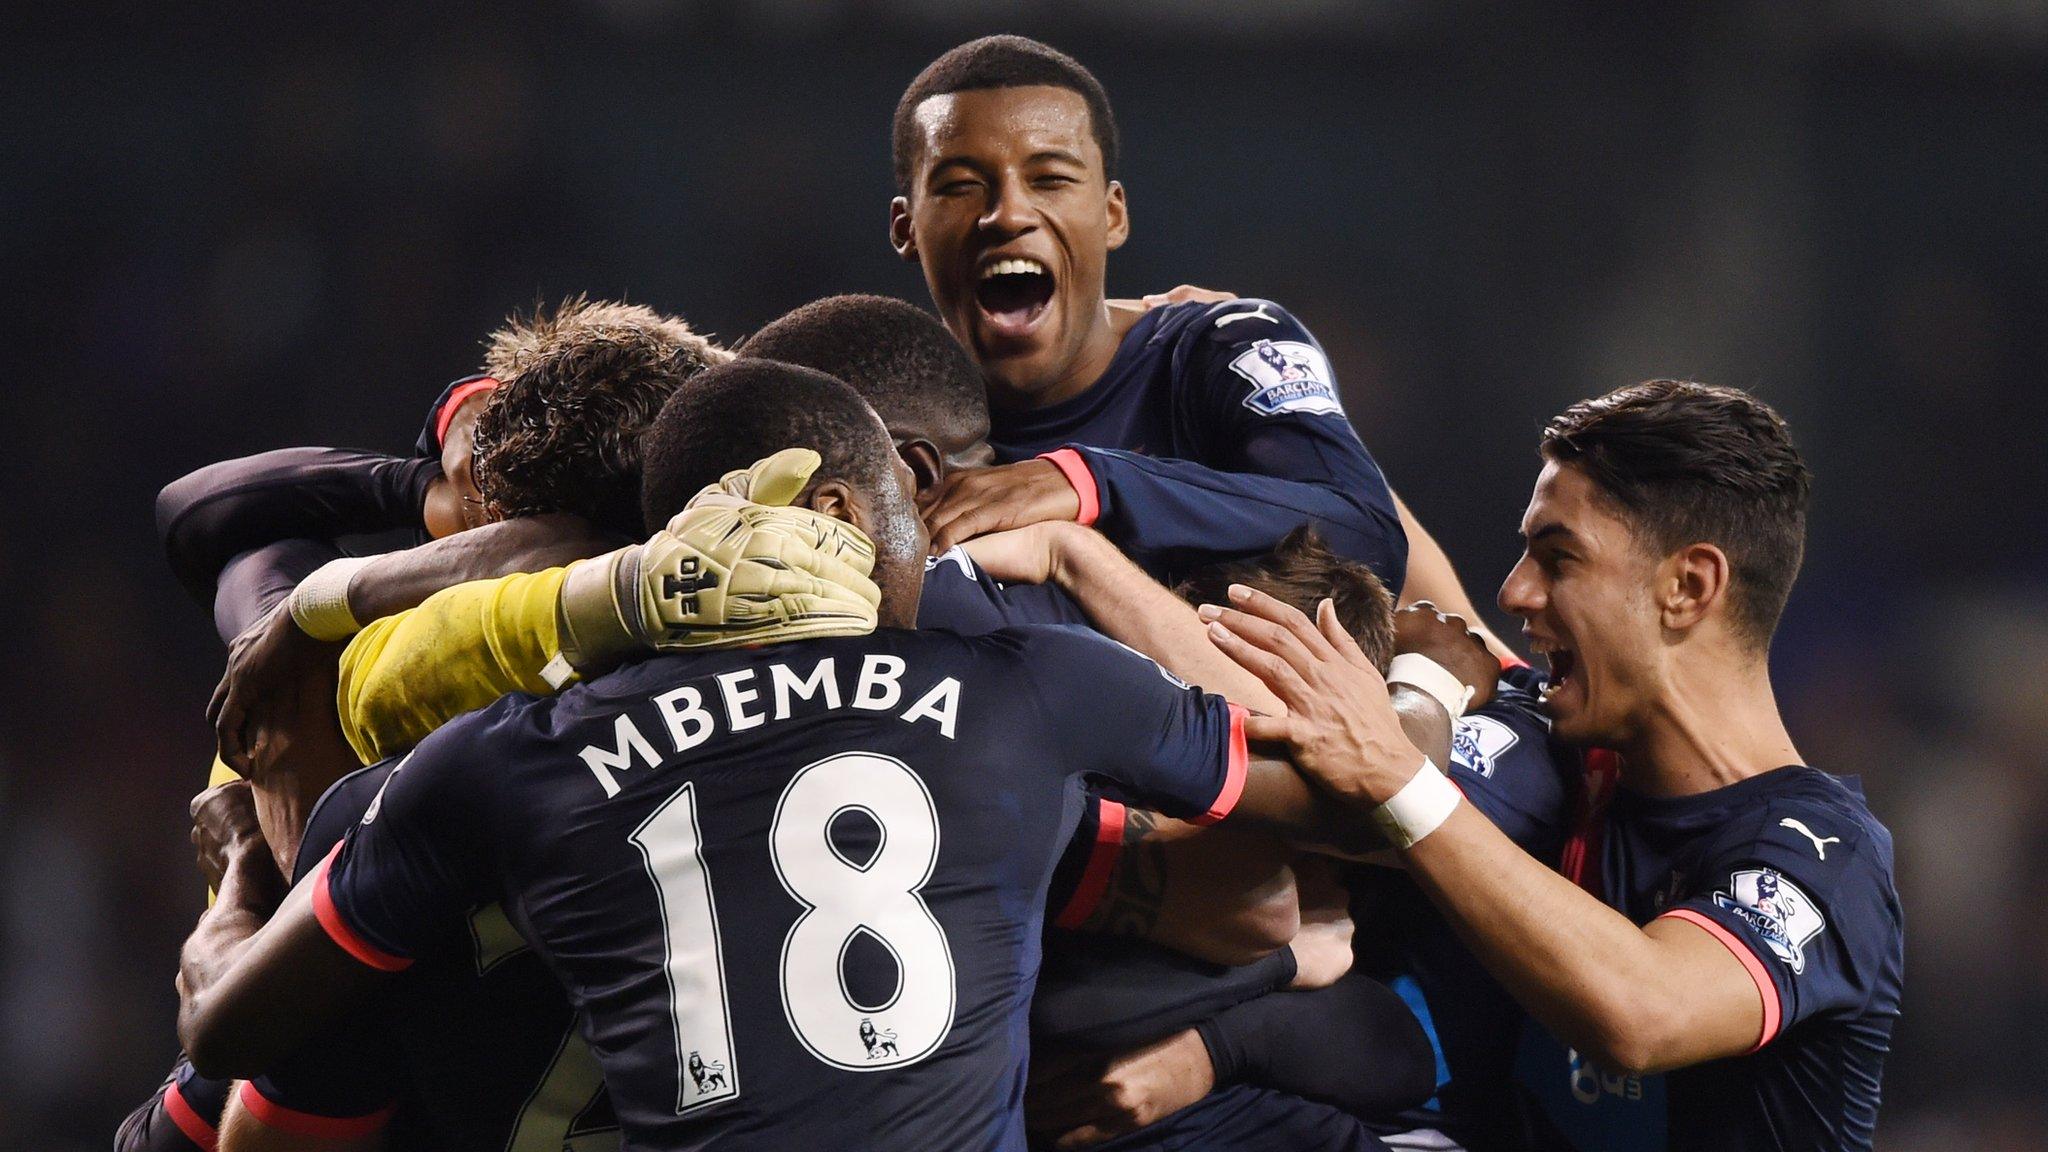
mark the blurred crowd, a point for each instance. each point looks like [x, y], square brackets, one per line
[279, 227]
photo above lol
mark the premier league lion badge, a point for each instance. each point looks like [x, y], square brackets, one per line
[1287, 376]
[1777, 910]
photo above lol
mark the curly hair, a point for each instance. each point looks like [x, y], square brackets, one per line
[562, 432]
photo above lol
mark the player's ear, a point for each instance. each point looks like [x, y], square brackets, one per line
[1691, 582]
[837, 499]
[901, 237]
[927, 463]
[1119, 216]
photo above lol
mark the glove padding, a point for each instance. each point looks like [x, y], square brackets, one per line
[727, 571]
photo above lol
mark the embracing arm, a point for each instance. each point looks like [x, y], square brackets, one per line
[221, 510]
[395, 581]
[1122, 601]
[252, 983]
[1636, 999]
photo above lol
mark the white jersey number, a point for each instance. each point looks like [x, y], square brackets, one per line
[842, 898]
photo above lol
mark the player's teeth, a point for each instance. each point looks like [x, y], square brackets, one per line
[1013, 267]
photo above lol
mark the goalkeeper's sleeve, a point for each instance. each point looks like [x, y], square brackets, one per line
[406, 675]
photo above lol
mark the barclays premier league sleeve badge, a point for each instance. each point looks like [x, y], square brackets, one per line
[1287, 376]
[1777, 910]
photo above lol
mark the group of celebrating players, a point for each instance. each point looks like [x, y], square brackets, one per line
[1007, 737]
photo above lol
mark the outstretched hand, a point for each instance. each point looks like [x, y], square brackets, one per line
[1340, 729]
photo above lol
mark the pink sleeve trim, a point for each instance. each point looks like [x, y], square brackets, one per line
[189, 1121]
[446, 415]
[1234, 772]
[1074, 467]
[338, 928]
[1773, 1011]
[1102, 858]
[275, 1115]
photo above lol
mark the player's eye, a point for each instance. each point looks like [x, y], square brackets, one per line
[958, 187]
[1052, 180]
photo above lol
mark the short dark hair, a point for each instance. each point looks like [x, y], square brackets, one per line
[738, 413]
[899, 357]
[1694, 463]
[1302, 570]
[1002, 62]
[562, 433]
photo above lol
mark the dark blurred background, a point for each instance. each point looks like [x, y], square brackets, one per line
[244, 227]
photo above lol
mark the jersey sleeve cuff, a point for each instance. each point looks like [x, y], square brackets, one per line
[1074, 467]
[274, 1115]
[461, 393]
[1239, 762]
[338, 928]
[1102, 858]
[188, 1119]
[1765, 987]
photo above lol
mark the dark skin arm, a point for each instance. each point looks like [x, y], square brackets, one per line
[274, 710]
[250, 709]
[257, 977]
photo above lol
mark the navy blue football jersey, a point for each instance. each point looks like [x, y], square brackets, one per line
[795, 891]
[959, 597]
[1214, 432]
[1793, 874]
[1504, 761]
[474, 1048]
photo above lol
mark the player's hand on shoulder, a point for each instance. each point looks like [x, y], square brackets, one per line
[1077, 1103]
[975, 502]
[1449, 639]
[276, 673]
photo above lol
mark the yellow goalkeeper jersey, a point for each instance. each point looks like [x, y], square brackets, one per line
[464, 647]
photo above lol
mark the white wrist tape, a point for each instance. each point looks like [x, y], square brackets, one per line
[1425, 675]
[1419, 808]
[319, 605]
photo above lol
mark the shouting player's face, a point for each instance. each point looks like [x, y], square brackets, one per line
[1012, 218]
[1584, 590]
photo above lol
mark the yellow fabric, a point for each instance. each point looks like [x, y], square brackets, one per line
[408, 674]
[221, 773]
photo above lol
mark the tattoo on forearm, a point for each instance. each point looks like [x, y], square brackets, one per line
[1137, 890]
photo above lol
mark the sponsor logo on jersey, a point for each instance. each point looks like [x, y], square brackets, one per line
[1776, 910]
[1287, 376]
[1478, 742]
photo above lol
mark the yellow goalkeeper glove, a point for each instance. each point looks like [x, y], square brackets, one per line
[736, 567]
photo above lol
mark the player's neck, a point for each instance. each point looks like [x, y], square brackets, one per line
[1106, 331]
[1714, 724]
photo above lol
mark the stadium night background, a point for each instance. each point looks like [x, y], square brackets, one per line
[246, 227]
